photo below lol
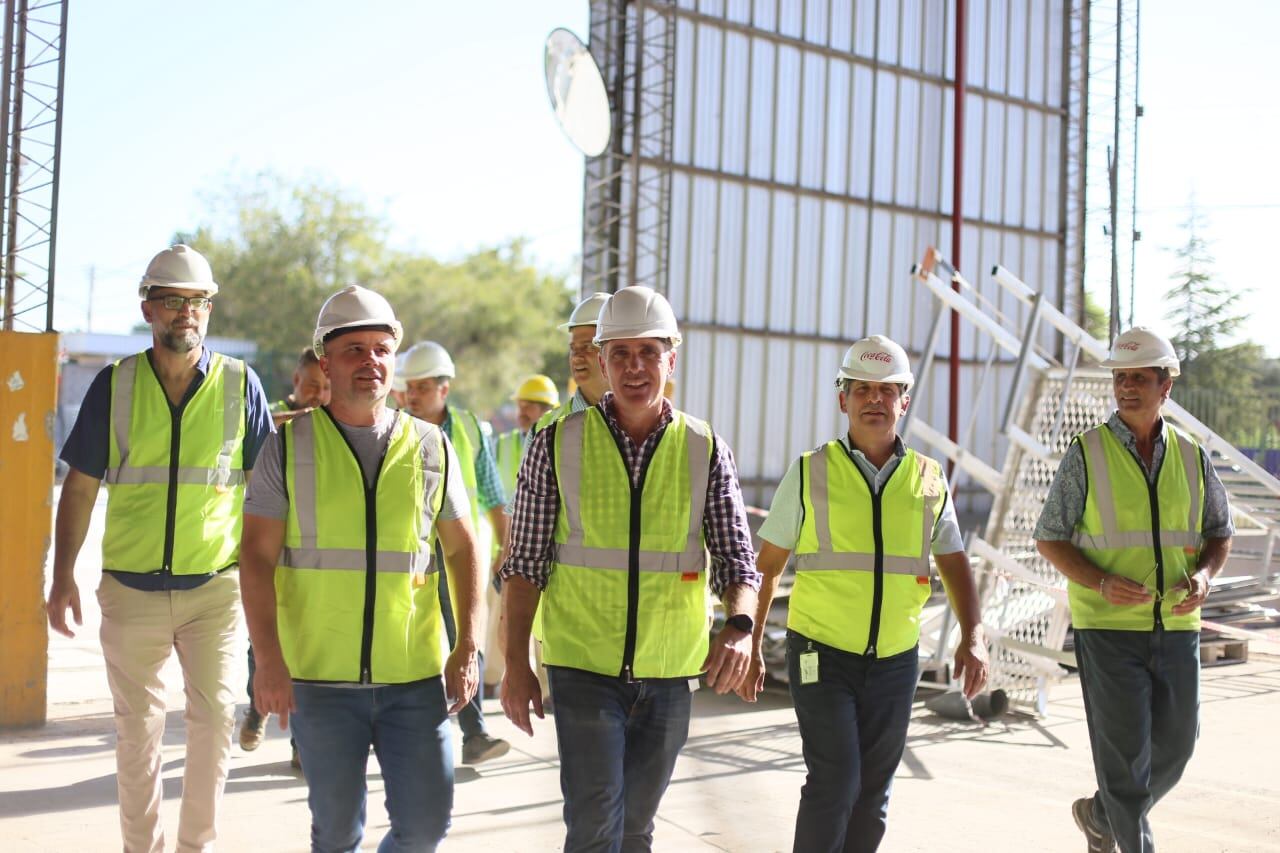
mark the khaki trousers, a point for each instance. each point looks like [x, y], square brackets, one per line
[139, 632]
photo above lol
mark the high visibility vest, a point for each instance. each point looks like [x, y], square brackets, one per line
[1146, 533]
[862, 558]
[183, 465]
[508, 453]
[627, 590]
[464, 432]
[356, 597]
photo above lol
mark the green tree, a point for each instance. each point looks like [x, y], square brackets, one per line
[279, 249]
[1218, 383]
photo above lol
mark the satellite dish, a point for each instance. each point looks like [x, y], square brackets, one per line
[576, 89]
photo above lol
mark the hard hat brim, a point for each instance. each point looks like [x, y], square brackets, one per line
[1163, 361]
[907, 378]
[642, 332]
[317, 341]
[209, 288]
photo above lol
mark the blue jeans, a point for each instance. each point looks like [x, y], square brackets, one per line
[853, 726]
[1142, 700]
[408, 727]
[618, 745]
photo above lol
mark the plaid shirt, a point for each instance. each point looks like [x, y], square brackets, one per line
[537, 503]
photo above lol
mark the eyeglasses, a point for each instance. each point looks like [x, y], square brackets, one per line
[583, 350]
[174, 302]
[1172, 592]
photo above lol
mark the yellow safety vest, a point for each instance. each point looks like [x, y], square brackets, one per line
[508, 453]
[1146, 533]
[862, 558]
[184, 466]
[356, 593]
[627, 591]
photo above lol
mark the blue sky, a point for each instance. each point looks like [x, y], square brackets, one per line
[436, 113]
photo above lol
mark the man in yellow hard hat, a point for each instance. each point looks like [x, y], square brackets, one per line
[862, 514]
[173, 432]
[617, 509]
[536, 396]
[1138, 522]
[339, 556]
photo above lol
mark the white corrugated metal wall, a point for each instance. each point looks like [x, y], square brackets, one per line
[810, 163]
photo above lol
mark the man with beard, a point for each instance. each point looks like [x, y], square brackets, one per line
[339, 549]
[174, 432]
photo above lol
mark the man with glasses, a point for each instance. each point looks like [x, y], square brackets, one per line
[1138, 521]
[174, 432]
[584, 366]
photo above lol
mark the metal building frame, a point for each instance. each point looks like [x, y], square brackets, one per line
[31, 126]
[793, 156]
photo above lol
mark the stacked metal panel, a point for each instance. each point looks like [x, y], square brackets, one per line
[810, 164]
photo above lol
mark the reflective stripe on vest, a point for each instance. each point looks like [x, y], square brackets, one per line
[627, 589]
[174, 501]
[351, 610]
[834, 598]
[1115, 532]
[464, 432]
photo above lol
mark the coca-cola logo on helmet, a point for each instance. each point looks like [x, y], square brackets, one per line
[877, 356]
[1128, 345]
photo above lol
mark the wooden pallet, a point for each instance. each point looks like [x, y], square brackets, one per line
[1221, 650]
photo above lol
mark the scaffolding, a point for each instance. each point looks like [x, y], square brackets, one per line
[31, 127]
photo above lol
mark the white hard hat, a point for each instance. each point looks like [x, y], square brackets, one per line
[876, 359]
[586, 312]
[178, 266]
[426, 360]
[637, 312]
[354, 306]
[397, 379]
[1142, 347]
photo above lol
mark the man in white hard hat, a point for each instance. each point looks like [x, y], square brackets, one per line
[617, 507]
[428, 376]
[1138, 522]
[862, 513]
[170, 551]
[340, 532]
[584, 363]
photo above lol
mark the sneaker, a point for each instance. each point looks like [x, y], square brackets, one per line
[1100, 840]
[295, 761]
[482, 747]
[253, 729]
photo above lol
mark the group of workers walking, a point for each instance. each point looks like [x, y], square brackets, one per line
[363, 582]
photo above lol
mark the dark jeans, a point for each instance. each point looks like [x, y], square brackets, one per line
[1142, 699]
[853, 724]
[408, 727]
[618, 745]
[471, 717]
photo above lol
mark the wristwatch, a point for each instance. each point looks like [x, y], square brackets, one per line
[742, 622]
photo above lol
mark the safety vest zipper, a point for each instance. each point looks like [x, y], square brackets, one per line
[877, 592]
[171, 504]
[633, 563]
[1154, 499]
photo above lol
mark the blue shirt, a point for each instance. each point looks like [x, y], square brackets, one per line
[88, 446]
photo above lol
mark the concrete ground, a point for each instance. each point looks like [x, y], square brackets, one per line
[1006, 787]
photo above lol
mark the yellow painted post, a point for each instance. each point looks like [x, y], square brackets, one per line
[28, 397]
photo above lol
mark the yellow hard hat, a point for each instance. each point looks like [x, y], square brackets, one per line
[538, 389]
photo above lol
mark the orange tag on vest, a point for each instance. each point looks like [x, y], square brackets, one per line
[922, 579]
[688, 576]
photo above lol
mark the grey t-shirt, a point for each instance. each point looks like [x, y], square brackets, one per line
[266, 495]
